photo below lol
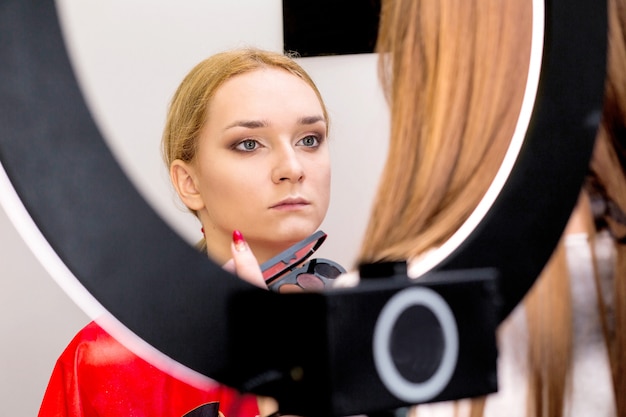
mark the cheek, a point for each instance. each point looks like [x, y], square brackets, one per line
[233, 187]
[322, 180]
[327, 184]
[227, 187]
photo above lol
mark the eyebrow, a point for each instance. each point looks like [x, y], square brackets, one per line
[256, 124]
[311, 120]
[250, 124]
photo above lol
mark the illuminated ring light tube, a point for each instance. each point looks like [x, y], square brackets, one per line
[96, 235]
[408, 391]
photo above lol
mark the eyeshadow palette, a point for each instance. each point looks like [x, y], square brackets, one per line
[290, 271]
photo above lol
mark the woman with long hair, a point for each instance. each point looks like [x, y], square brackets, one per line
[454, 74]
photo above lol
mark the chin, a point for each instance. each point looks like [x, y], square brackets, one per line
[296, 233]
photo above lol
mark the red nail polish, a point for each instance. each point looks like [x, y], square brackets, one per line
[238, 240]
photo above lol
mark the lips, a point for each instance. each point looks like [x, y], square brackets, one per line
[291, 202]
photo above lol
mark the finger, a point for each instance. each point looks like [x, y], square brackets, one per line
[230, 266]
[246, 264]
[267, 405]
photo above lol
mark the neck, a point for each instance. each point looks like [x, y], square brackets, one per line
[218, 249]
[263, 253]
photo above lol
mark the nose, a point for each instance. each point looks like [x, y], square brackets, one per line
[287, 167]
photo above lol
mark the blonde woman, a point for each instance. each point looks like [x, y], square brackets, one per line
[246, 145]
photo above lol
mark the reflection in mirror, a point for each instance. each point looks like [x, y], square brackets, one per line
[128, 80]
[246, 144]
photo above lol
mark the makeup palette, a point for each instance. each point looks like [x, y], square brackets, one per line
[290, 271]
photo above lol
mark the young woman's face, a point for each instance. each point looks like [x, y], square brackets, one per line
[263, 164]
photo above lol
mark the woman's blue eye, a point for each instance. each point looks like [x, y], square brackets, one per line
[247, 145]
[310, 141]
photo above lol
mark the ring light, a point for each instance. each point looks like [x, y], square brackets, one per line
[81, 215]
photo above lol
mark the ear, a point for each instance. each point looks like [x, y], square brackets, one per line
[183, 178]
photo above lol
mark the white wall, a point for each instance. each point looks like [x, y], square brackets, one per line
[129, 58]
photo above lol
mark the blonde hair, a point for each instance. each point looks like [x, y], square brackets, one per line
[187, 112]
[452, 72]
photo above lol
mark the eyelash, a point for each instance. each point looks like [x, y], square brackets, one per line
[317, 139]
[238, 146]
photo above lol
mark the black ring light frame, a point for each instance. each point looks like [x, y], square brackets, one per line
[191, 310]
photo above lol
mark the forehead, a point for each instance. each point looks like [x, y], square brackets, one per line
[261, 75]
[265, 91]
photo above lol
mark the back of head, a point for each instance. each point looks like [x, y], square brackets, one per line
[454, 73]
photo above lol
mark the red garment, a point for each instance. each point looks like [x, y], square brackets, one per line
[97, 376]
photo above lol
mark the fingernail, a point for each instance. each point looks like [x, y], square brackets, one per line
[240, 243]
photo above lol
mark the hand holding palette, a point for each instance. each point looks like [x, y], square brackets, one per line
[288, 271]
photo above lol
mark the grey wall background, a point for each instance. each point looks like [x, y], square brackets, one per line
[129, 56]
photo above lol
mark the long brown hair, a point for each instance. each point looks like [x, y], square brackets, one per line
[452, 70]
[602, 206]
[453, 73]
[608, 181]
